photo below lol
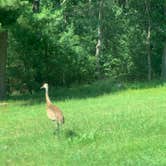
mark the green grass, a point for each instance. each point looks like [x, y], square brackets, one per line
[104, 125]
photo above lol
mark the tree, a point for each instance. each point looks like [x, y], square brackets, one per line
[99, 40]
[163, 68]
[3, 56]
[36, 5]
[148, 38]
[8, 15]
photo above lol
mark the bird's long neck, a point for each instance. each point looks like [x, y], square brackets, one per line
[47, 97]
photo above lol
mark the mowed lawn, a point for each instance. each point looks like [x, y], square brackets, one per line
[103, 126]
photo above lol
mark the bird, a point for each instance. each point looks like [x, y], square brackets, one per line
[53, 112]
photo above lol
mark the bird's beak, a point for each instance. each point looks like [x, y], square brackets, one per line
[41, 87]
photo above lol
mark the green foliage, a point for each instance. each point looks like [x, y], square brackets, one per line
[10, 10]
[58, 44]
[56, 54]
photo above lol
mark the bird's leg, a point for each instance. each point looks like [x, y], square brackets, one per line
[58, 127]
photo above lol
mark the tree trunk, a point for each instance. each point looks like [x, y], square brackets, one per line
[149, 67]
[163, 67]
[148, 41]
[36, 6]
[90, 9]
[3, 56]
[99, 41]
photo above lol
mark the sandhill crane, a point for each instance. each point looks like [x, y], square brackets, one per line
[53, 112]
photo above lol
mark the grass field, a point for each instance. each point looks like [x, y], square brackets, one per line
[105, 124]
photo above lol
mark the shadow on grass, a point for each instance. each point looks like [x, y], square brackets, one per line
[85, 91]
[70, 134]
[66, 134]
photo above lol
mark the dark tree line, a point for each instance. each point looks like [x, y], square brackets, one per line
[68, 41]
